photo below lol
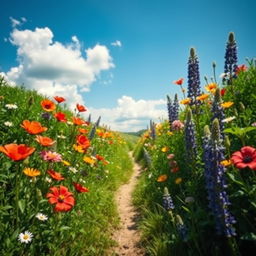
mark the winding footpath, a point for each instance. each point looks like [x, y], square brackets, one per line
[128, 236]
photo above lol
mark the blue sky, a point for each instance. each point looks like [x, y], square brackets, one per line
[126, 83]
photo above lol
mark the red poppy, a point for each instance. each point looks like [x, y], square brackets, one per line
[246, 157]
[99, 157]
[48, 105]
[81, 108]
[33, 127]
[79, 188]
[179, 82]
[63, 199]
[61, 117]
[55, 175]
[59, 99]
[44, 141]
[222, 92]
[241, 68]
[17, 152]
[78, 121]
[83, 141]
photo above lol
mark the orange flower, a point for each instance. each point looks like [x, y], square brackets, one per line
[78, 148]
[81, 130]
[202, 97]
[241, 68]
[79, 188]
[44, 141]
[89, 160]
[162, 178]
[164, 149]
[185, 101]
[59, 99]
[81, 108]
[225, 163]
[63, 199]
[227, 104]
[83, 141]
[178, 181]
[78, 121]
[17, 152]
[31, 172]
[61, 117]
[211, 87]
[99, 157]
[33, 127]
[48, 105]
[178, 82]
[55, 175]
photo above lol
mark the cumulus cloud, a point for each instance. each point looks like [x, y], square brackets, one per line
[131, 115]
[117, 43]
[52, 68]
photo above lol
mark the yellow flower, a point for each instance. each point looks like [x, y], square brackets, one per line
[185, 101]
[89, 160]
[178, 181]
[66, 163]
[164, 149]
[211, 87]
[202, 97]
[162, 178]
[226, 162]
[31, 172]
[169, 133]
[227, 104]
[78, 148]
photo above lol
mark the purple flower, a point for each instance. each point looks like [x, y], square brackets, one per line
[173, 109]
[167, 200]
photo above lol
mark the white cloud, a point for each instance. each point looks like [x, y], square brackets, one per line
[14, 22]
[53, 68]
[131, 115]
[117, 43]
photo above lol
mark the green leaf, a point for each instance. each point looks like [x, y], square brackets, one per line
[64, 228]
[186, 209]
[232, 177]
[21, 205]
[249, 236]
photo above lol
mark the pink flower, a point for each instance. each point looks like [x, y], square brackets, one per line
[51, 156]
[177, 125]
[170, 156]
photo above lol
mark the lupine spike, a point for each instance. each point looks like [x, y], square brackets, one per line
[89, 119]
[167, 200]
[215, 130]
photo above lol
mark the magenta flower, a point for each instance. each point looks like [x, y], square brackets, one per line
[50, 156]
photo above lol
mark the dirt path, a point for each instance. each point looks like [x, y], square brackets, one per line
[128, 236]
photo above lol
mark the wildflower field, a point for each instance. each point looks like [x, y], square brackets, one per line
[197, 194]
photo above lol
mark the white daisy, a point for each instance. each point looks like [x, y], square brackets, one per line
[11, 106]
[41, 216]
[73, 169]
[61, 136]
[9, 124]
[49, 180]
[228, 119]
[25, 237]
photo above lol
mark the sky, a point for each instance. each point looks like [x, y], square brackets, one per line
[119, 57]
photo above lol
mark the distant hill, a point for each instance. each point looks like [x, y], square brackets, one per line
[138, 133]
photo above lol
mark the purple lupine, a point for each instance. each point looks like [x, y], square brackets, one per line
[215, 181]
[182, 228]
[93, 130]
[173, 109]
[230, 65]
[152, 130]
[218, 111]
[89, 119]
[167, 200]
[190, 138]
[193, 78]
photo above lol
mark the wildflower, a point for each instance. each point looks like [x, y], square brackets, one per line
[31, 172]
[46, 116]
[11, 106]
[89, 160]
[165, 149]
[55, 175]
[167, 200]
[178, 181]
[63, 199]
[78, 148]
[227, 104]
[17, 152]
[79, 188]
[99, 157]
[177, 125]
[59, 99]
[78, 121]
[50, 156]
[41, 216]
[66, 163]
[152, 130]
[246, 157]
[241, 68]
[44, 141]
[48, 105]
[193, 78]
[8, 124]
[185, 101]
[228, 119]
[83, 131]
[61, 137]
[182, 229]
[80, 108]
[83, 141]
[175, 169]
[189, 200]
[254, 124]
[170, 156]
[226, 162]
[202, 97]
[47, 179]
[211, 87]
[25, 237]
[179, 82]
[162, 178]
[173, 109]
[73, 169]
[222, 91]
[61, 117]
[169, 133]
[33, 127]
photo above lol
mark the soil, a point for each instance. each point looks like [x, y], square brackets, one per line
[128, 236]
